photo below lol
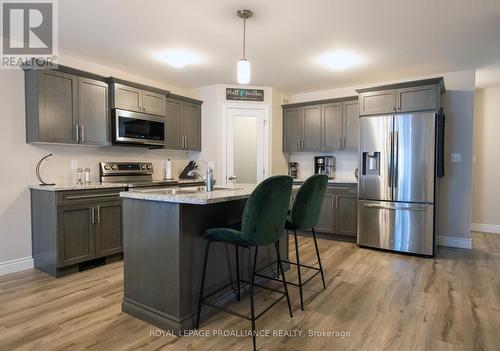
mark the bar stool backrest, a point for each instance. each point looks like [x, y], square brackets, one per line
[307, 204]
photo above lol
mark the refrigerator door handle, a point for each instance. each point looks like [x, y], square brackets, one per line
[396, 160]
[394, 207]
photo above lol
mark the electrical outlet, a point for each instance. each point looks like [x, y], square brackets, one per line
[456, 157]
[74, 164]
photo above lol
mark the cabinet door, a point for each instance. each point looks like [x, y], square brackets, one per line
[109, 234]
[377, 102]
[76, 234]
[347, 214]
[292, 129]
[93, 111]
[326, 223]
[417, 98]
[351, 126]
[173, 125]
[58, 107]
[153, 103]
[311, 128]
[191, 126]
[127, 98]
[332, 127]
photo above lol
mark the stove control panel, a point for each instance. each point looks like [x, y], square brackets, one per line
[130, 168]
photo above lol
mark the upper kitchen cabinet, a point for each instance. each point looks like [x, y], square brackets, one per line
[66, 106]
[405, 97]
[138, 98]
[183, 123]
[329, 125]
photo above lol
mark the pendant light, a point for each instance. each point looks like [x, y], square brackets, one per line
[243, 64]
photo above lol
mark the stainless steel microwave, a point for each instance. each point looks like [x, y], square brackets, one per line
[137, 128]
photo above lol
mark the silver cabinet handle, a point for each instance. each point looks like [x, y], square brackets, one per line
[298, 144]
[83, 134]
[336, 202]
[337, 188]
[98, 214]
[76, 197]
[77, 133]
[331, 203]
[394, 208]
[93, 215]
[302, 144]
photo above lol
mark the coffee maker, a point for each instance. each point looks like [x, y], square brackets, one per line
[324, 165]
[293, 169]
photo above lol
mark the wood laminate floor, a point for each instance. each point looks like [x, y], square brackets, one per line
[385, 301]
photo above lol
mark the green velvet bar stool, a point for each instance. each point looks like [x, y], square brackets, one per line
[304, 216]
[263, 223]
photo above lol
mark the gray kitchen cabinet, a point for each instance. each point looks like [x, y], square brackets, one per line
[350, 126]
[377, 102]
[183, 124]
[131, 98]
[153, 103]
[72, 228]
[332, 126]
[347, 214]
[327, 216]
[402, 97]
[76, 234]
[51, 106]
[93, 111]
[191, 126]
[417, 98]
[311, 128]
[108, 234]
[173, 125]
[292, 129]
[328, 125]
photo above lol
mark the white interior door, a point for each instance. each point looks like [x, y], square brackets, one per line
[246, 151]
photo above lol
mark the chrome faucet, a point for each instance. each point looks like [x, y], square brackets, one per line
[208, 179]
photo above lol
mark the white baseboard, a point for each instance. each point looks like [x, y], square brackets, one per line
[485, 228]
[451, 241]
[16, 265]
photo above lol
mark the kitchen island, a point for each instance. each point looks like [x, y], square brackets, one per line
[163, 251]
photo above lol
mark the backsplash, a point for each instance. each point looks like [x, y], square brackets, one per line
[345, 163]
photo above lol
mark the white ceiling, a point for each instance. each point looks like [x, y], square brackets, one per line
[396, 38]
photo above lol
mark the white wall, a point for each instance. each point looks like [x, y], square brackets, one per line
[486, 187]
[18, 159]
[455, 194]
[213, 125]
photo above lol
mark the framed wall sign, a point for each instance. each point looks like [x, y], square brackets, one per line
[244, 94]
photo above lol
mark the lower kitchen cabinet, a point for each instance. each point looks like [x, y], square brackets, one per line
[339, 212]
[71, 229]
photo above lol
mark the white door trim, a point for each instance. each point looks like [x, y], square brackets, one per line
[244, 106]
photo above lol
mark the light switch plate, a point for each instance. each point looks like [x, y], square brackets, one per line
[456, 157]
[74, 164]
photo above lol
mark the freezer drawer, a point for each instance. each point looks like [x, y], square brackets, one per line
[394, 226]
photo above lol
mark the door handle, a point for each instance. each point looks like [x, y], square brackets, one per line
[395, 208]
[77, 133]
[232, 178]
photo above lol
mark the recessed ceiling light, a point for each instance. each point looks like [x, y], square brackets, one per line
[339, 60]
[179, 58]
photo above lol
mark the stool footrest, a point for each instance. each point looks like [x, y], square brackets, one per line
[302, 265]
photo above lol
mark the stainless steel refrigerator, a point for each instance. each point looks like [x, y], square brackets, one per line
[400, 162]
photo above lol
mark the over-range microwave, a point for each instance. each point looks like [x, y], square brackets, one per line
[137, 128]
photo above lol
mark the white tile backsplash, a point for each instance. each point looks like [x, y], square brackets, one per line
[345, 163]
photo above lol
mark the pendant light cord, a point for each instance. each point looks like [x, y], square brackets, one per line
[244, 36]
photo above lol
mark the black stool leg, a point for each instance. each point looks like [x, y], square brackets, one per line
[319, 259]
[276, 245]
[238, 272]
[200, 299]
[277, 262]
[251, 272]
[298, 268]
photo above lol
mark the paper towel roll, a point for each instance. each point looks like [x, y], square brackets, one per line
[167, 167]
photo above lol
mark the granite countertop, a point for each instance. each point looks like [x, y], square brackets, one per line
[72, 186]
[331, 181]
[220, 194]
[97, 185]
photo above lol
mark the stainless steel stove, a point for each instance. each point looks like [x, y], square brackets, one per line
[134, 174]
